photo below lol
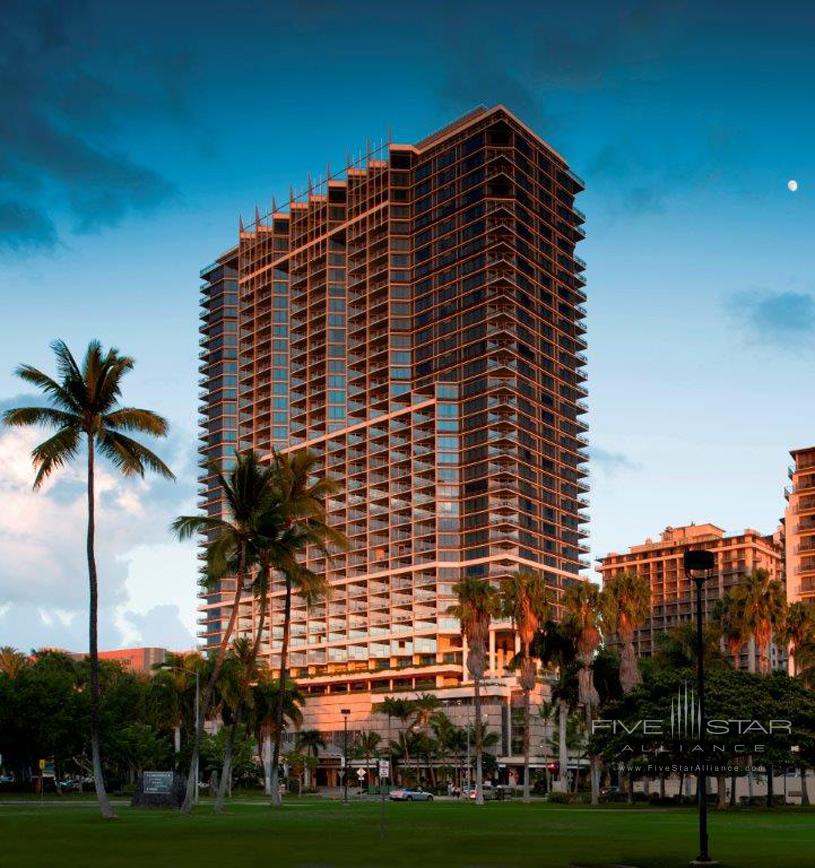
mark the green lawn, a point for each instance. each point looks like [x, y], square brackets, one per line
[321, 834]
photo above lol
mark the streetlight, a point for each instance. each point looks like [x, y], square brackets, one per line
[345, 712]
[166, 666]
[699, 565]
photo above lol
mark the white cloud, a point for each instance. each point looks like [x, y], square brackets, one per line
[147, 580]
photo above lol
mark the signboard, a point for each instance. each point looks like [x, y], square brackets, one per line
[43, 764]
[384, 768]
[158, 783]
[360, 773]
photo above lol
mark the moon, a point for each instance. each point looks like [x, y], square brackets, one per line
[792, 185]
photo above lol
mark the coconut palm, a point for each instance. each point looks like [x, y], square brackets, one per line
[799, 632]
[730, 621]
[309, 742]
[425, 705]
[583, 606]
[394, 707]
[263, 715]
[302, 494]
[478, 603]
[85, 412]
[626, 606]
[525, 600]
[366, 746]
[231, 548]
[12, 661]
[764, 611]
[556, 649]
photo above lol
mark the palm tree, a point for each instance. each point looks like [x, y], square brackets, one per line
[555, 646]
[234, 686]
[85, 409]
[302, 494]
[231, 550]
[525, 600]
[730, 621]
[12, 661]
[478, 603]
[583, 606]
[800, 629]
[401, 709]
[263, 715]
[309, 742]
[765, 609]
[627, 605]
[366, 746]
[425, 705]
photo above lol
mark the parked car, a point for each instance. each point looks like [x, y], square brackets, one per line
[410, 794]
[7, 778]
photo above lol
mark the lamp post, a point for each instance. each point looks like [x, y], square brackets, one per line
[166, 666]
[699, 566]
[345, 712]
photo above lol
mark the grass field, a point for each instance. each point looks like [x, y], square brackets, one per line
[323, 834]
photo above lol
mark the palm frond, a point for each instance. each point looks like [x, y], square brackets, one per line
[54, 452]
[131, 457]
[24, 416]
[54, 390]
[136, 419]
[187, 526]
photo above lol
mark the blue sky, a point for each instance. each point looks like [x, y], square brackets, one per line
[135, 135]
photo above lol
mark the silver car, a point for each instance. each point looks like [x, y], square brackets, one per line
[410, 794]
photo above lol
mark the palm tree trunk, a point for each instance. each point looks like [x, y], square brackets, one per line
[186, 807]
[733, 780]
[278, 735]
[804, 791]
[267, 763]
[526, 797]
[479, 769]
[563, 748]
[93, 646]
[594, 771]
[721, 786]
[226, 775]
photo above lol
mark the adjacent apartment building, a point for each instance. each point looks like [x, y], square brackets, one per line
[416, 321]
[660, 561]
[799, 526]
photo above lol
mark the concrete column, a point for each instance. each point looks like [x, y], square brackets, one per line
[491, 670]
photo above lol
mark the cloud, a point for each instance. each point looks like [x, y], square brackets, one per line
[73, 79]
[610, 462]
[783, 319]
[25, 228]
[147, 580]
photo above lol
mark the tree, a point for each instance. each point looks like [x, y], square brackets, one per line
[263, 717]
[234, 687]
[582, 620]
[401, 709]
[424, 706]
[555, 647]
[525, 600]
[302, 494]
[478, 603]
[764, 611]
[85, 410]
[230, 545]
[12, 661]
[309, 742]
[626, 602]
[366, 747]
[799, 632]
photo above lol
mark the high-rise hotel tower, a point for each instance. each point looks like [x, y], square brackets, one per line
[417, 322]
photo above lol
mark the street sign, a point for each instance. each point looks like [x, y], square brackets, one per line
[43, 764]
[158, 783]
[384, 768]
[360, 773]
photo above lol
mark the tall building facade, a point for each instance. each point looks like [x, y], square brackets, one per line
[417, 322]
[661, 563]
[799, 526]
